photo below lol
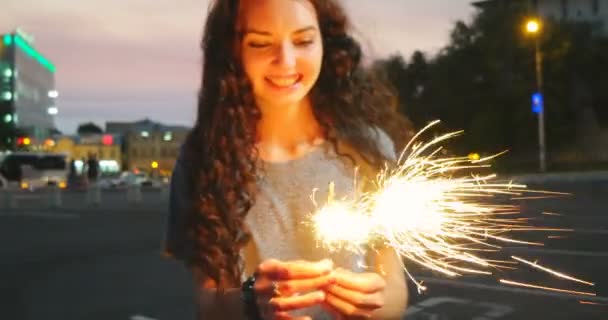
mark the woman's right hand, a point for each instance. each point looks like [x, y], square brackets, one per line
[283, 286]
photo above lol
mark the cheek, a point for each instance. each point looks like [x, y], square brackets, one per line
[252, 67]
[311, 65]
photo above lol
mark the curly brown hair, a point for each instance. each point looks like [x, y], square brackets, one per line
[220, 154]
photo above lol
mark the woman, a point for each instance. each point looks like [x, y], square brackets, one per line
[284, 108]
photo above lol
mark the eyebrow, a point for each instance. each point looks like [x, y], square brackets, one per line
[266, 33]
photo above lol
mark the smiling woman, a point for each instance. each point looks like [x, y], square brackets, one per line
[281, 56]
[284, 108]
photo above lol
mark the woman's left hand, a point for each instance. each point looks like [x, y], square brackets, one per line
[355, 295]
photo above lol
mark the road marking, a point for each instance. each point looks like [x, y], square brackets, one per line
[441, 300]
[497, 310]
[140, 317]
[492, 310]
[468, 284]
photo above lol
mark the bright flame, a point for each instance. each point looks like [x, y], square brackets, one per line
[430, 215]
[340, 227]
[421, 198]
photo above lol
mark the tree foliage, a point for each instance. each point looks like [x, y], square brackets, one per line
[483, 79]
[89, 128]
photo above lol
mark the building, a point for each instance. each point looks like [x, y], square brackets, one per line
[594, 12]
[104, 147]
[149, 146]
[27, 93]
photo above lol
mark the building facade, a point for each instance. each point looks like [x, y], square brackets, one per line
[149, 146]
[594, 12]
[27, 92]
[156, 150]
[105, 148]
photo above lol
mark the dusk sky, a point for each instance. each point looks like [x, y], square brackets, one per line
[129, 59]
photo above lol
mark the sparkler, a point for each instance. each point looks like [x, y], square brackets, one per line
[431, 214]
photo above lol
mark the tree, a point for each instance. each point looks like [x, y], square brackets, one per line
[89, 128]
[482, 81]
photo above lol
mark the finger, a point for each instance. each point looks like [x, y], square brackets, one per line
[275, 269]
[290, 287]
[263, 286]
[358, 299]
[363, 282]
[306, 270]
[286, 316]
[346, 309]
[269, 268]
[306, 300]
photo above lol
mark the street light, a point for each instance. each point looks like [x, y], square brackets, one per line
[533, 28]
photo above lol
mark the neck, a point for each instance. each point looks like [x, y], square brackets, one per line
[287, 126]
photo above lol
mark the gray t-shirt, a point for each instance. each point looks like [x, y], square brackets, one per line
[278, 219]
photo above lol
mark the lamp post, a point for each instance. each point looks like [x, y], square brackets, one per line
[533, 28]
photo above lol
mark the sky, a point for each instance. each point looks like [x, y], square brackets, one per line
[125, 60]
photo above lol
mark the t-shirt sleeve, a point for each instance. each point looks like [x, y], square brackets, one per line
[385, 143]
[175, 243]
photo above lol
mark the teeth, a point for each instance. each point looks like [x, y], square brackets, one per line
[284, 82]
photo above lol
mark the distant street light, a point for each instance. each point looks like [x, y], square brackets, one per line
[533, 28]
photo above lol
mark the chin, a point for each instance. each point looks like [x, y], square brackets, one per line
[275, 98]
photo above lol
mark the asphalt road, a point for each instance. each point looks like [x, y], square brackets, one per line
[85, 261]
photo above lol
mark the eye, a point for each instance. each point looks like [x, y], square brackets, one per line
[304, 42]
[258, 45]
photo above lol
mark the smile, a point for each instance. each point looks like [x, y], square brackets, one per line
[286, 81]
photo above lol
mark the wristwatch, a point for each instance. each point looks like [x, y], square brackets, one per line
[250, 299]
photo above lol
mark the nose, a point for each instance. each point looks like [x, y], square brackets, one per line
[286, 55]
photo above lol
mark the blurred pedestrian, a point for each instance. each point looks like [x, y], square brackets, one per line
[92, 168]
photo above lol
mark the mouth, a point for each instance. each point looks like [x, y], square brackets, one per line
[284, 82]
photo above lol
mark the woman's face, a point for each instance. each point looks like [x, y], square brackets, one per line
[281, 49]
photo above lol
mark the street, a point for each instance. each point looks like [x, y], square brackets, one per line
[104, 262]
